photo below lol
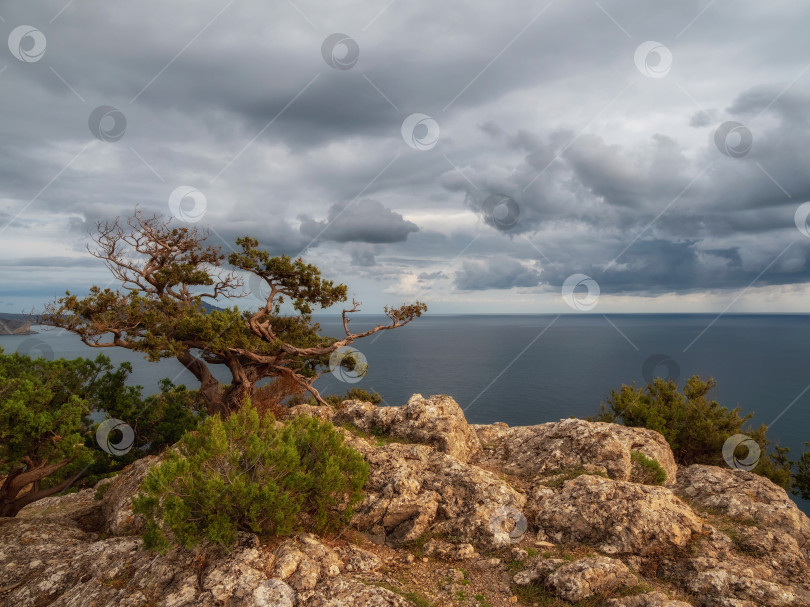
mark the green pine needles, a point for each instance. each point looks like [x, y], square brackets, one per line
[247, 473]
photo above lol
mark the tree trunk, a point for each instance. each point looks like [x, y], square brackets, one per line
[19, 479]
[210, 388]
[243, 381]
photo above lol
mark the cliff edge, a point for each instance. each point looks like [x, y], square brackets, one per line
[454, 514]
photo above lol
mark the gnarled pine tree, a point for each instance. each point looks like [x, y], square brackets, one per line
[167, 272]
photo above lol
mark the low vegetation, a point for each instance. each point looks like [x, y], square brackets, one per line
[244, 473]
[647, 470]
[48, 442]
[696, 427]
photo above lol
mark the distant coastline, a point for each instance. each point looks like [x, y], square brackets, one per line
[15, 326]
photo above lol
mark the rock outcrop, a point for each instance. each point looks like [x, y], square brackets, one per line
[436, 421]
[618, 517]
[413, 489]
[546, 449]
[548, 510]
[580, 579]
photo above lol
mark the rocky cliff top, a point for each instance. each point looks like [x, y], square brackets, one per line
[454, 514]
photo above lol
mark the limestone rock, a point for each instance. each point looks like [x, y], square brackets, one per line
[303, 561]
[344, 592]
[546, 449]
[58, 564]
[538, 570]
[319, 411]
[357, 559]
[117, 501]
[436, 421]
[583, 578]
[448, 551]
[80, 508]
[745, 496]
[274, 593]
[618, 517]
[412, 488]
[648, 599]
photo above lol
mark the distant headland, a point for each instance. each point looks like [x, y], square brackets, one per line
[15, 325]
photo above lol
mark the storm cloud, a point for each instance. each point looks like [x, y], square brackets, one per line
[469, 150]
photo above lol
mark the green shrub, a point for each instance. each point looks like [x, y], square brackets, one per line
[695, 426]
[244, 474]
[48, 438]
[651, 472]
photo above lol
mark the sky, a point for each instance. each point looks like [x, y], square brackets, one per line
[483, 157]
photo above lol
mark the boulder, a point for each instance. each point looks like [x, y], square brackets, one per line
[436, 421]
[740, 584]
[578, 580]
[744, 496]
[586, 577]
[413, 489]
[450, 552]
[303, 561]
[618, 517]
[546, 449]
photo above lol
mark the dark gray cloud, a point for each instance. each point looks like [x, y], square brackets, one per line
[362, 221]
[612, 173]
[495, 273]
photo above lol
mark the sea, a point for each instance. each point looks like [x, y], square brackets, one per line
[530, 369]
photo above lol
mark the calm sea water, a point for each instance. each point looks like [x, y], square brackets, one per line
[529, 369]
